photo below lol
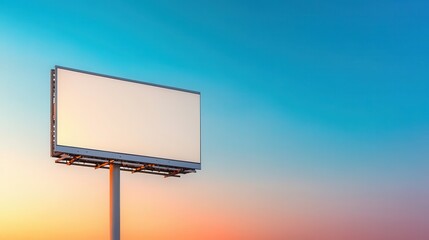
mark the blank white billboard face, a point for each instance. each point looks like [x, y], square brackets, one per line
[110, 115]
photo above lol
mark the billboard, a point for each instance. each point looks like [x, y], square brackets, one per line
[107, 117]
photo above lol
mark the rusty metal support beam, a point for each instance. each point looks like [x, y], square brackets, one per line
[103, 164]
[174, 173]
[71, 161]
[63, 156]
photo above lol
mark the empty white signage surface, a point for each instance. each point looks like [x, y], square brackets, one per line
[104, 116]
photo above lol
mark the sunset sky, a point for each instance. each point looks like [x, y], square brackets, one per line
[315, 118]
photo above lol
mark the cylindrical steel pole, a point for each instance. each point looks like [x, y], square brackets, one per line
[115, 202]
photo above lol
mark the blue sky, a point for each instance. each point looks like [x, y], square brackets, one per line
[355, 70]
[291, 91]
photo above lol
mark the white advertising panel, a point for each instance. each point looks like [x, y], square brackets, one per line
[108, 117]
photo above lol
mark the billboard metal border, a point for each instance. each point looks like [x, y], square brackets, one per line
[170, 165]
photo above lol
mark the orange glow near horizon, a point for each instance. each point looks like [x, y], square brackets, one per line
[55, 201]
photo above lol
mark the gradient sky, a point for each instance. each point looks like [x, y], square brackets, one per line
[315, 118]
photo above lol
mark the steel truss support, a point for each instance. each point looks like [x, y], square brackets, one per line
[71, 161]
[104, 164]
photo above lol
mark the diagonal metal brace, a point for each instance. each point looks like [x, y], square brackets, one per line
[174, 173]
[104, 164]
[63, 156]
[71, 161]
[142, 167]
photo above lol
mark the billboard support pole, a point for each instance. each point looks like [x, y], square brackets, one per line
[114, 202]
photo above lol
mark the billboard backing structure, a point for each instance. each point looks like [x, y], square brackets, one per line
[97, 120]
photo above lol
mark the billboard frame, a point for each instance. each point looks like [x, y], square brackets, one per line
[92, 157]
